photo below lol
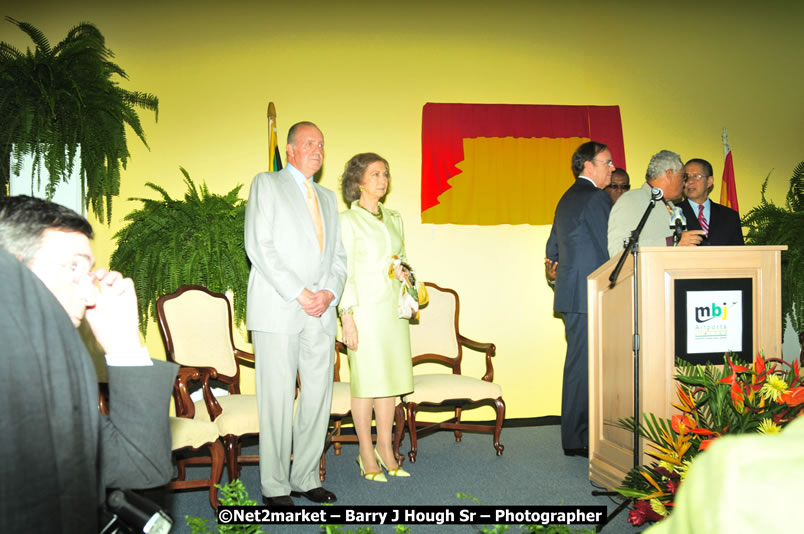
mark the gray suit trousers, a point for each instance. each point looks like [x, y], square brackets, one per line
[282, 433]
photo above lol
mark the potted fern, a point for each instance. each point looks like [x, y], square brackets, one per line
[769, 224]
[169, 243]
[58, 102]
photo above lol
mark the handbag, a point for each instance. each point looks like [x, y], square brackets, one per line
[412, 294]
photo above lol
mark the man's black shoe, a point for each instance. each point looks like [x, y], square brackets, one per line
[577, 452]
[319, 495]
[281, 500]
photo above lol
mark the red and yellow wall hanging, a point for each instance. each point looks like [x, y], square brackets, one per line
[489, 164]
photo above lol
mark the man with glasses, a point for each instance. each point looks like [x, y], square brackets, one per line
[721, 225]
[620, 183]
[665, 172]
[59, 453]
[578, 241]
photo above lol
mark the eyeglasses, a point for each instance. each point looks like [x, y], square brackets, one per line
[608, 162]
[694, 177]
[619, 187]
[79, 270]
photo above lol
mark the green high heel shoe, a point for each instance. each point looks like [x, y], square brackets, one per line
[374, 477]
[396, 472]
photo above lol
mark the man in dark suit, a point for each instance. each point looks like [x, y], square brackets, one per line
[59, 453]
[721, 224]
[578, 241]
[298, 269]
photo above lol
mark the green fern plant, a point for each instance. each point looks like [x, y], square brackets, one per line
[769, 224]
[55, 101]
[169, 243]
[232, 494]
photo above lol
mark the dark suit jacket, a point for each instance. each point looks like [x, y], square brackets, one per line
[724, 224]
[59, 454]
[578, 241]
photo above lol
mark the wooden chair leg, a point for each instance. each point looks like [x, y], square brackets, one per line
[230, 446]
[216, 452]
[337, 433]
[458, 433]
[399, 431]
[180, 468]
[499, 405]
[322, 466]
[412, 431]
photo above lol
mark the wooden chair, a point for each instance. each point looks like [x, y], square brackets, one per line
[188, 436]
[436, 339]
[191, 434]
[196, 327]
[341, 409]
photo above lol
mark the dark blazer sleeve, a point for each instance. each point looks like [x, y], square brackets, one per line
[135, 437]
[690, 216]
[551, 250]
[725, 228]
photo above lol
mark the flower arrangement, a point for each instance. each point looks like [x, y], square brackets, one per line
[713, 401]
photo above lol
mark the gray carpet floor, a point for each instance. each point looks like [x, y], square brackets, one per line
[532, 471]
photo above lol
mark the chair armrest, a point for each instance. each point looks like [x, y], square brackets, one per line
[213, 406]
[340, 348]
[181, 394]
[453, 363]
[488, 348]
[243, 355]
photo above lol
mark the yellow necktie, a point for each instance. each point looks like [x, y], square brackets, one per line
[315, 213]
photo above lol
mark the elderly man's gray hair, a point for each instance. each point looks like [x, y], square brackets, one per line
[661, 162]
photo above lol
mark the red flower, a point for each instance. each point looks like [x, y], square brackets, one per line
[793, 396]
[705, 444]
[682, 423]
[734, 370]
[642, 512]
[665, 473]
[672, 486]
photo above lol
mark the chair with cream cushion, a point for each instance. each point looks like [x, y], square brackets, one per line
[187, 435]
[196, 327]
[190, 434]
[437, 339]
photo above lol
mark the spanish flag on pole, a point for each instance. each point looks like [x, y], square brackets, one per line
[274, 160]
[728, 189]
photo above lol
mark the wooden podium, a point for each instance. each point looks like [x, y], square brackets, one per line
[611, 320]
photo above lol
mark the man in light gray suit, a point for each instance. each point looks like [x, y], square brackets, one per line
[298, 268]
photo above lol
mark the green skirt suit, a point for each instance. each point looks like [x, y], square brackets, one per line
[381, 366]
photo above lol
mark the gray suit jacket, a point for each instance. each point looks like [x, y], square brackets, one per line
[59, 453]
[578, 242]
[283, 248]
[625, 216]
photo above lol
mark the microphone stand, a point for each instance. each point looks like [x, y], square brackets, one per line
[632, 247]
[677, 232]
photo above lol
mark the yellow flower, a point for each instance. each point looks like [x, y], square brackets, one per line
[768, 427]
[773, 388]
[667, 465]
[657, 506]
[684, 468]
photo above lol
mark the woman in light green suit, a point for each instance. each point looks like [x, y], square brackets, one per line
[378, 340]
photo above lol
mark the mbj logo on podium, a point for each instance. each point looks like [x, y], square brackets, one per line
[707, 313]
[714, 321]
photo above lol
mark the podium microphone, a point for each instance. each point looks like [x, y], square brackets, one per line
[678, 223]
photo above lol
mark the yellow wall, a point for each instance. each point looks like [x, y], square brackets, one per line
[679, 72]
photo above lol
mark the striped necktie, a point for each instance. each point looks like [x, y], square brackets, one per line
[702, 220]
[315, 212]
